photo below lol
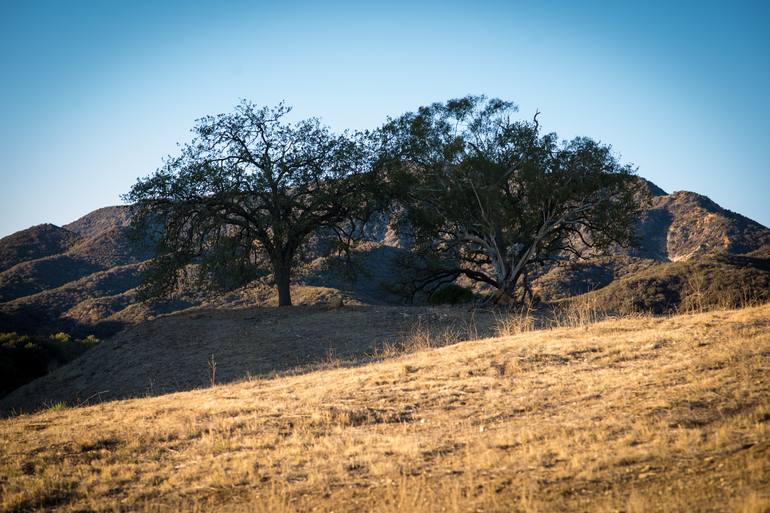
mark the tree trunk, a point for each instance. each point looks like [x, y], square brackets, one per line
[506, 294]
[501, 297]
[282, 274]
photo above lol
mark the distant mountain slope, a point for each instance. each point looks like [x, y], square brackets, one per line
[100, 221]
[86, 272]
[45, 273]
[85, 256]
[676, 227]
[48, 308]
[694, 225]
[109, 248]
[50, 270]
[37, 242]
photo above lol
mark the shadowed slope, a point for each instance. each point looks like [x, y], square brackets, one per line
[172, 353]
[706, 282]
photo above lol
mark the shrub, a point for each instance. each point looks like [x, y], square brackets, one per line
[60, 337]
[24, 358]
[90, 339]
[451, 294]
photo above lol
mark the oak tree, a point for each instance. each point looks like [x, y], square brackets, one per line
[494, 199]
[251, 187]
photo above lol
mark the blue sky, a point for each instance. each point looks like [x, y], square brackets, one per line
[95, 94]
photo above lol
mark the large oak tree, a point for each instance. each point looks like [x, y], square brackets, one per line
[494, 199]
[251, 187]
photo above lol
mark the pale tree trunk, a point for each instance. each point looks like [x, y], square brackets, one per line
[506, 293]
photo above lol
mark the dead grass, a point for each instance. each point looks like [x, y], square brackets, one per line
[185, 351]
[641, 414]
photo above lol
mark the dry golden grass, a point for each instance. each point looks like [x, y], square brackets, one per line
[642, 414]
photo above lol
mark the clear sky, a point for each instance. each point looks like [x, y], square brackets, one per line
[95, 94]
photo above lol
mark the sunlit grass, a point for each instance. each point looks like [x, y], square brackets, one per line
[639, 414]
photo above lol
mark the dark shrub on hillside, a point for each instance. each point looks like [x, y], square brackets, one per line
[451, 294]
[24, 358]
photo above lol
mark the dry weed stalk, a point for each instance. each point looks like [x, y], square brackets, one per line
[514, 322]
[212, 370]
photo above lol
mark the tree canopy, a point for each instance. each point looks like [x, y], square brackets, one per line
[494, 199]
[485, 196]
[251, 187]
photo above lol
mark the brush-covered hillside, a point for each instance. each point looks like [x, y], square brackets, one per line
[637, 414]
[82, 278]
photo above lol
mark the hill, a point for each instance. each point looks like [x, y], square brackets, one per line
[33, 243]
[82, 278]
[171, 353]
[88, 259]
[100, 220]
[697, 284]
[693, 226]
[639, 414]
[678, 227]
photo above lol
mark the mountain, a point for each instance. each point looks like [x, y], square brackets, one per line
[47, 270]
[678, 227]
[684, 225]
[100, 220]
[37, 242]
[82, 278]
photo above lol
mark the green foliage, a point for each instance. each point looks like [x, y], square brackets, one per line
[58, 406]
[24, 358]
[494, 199]
[249, 192]
[451, 294]
[229, 264]
[60, 337]
[91, 339]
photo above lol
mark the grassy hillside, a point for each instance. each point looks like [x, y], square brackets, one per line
[171, 354]
[707, 282]
[35, 242]
[639, 414]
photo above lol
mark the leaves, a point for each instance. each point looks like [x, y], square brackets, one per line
[494, 199]
[249, 185]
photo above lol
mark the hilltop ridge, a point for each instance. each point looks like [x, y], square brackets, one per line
[83, 277]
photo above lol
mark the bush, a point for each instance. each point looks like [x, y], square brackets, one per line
[24, 358]
[90, 339]
[60, 337]
[451, 294]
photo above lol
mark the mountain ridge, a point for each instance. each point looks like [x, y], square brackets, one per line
[86, 272]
